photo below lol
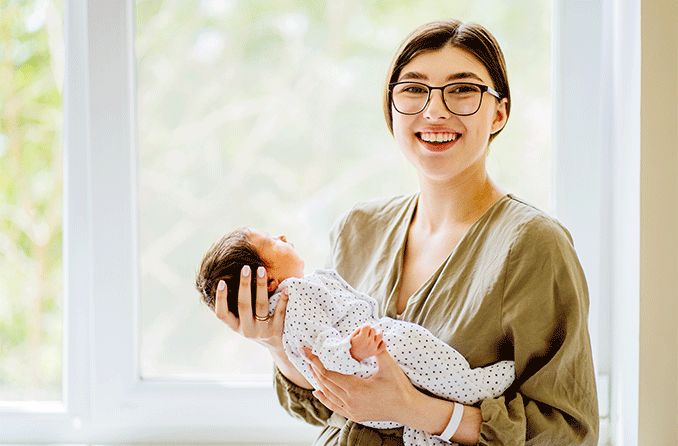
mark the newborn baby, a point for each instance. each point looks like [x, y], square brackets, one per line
[340, 325]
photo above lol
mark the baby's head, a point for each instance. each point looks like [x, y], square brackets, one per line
[246, 246]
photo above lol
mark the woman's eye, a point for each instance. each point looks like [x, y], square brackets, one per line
[464, 89]
[415, 90]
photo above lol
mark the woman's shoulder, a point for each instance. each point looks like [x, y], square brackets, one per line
[532, 226]
[375, 213]
[380, 208]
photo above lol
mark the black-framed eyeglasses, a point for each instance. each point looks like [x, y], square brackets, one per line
[460, 98]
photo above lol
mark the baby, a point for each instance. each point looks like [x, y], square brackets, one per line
[339, 324]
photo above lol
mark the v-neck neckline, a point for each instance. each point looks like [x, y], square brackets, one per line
[400, 255]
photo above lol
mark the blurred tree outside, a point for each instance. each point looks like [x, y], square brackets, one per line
[268, 114]
[31, 285]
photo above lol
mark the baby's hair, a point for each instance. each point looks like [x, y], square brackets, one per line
[224, 261]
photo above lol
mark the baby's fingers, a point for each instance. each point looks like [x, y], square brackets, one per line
[357, 332]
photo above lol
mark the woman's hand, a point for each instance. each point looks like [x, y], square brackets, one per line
[265, 332]
[388, 395]
[383, 396]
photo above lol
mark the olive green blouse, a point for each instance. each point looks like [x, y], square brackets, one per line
[513, 288]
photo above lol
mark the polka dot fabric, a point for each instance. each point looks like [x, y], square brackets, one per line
[322, 312]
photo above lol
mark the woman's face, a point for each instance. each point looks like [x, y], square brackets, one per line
[465, 154]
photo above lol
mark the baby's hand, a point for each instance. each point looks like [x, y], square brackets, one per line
[366, 342]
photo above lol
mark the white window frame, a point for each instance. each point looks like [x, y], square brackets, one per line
[105, 400]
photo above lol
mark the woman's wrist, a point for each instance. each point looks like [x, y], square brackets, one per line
[468, 431]
[432, 415]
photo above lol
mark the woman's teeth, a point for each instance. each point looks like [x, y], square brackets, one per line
[439, 137]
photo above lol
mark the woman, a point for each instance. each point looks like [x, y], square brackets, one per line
[485, 272]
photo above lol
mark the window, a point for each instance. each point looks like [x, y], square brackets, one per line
[150, 131]
[31, 285]
[269, 115]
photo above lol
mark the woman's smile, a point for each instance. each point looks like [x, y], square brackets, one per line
[438, 140]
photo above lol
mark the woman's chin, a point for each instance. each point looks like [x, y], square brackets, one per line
[436, 171]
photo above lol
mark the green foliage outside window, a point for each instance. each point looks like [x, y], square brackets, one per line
[31, 71]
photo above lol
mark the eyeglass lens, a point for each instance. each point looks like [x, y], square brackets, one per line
[461, 99]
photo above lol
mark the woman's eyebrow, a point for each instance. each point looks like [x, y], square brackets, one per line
[451, 77]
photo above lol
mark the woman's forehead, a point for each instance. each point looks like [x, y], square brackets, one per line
[448, 64]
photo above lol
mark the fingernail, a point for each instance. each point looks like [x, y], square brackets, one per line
[246, 271]
[261, 271]
[221, 285]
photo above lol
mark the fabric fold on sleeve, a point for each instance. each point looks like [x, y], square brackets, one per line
[553, 400]
[299, 402]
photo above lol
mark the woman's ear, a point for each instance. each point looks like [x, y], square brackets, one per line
[500, 116]
[272, 285]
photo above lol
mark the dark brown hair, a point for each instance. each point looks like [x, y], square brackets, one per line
[224, 261]
[469, 37]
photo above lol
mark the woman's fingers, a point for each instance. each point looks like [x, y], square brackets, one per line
[245, 301]
[221, 307]
[313, 359]
[329, 380]
[329, 403]
[328, 385]
[262, 293]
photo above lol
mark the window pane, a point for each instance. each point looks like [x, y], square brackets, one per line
[268, 114]
[31, 303]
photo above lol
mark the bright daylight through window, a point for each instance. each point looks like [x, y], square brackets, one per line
[269, 114]
[31, 284]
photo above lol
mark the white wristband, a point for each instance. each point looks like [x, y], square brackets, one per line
[453, 424]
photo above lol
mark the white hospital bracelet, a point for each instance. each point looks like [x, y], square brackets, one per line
[452, 426]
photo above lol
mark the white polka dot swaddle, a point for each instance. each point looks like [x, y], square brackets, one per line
[322, 312]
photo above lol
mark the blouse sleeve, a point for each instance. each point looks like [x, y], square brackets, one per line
[299, 402]
[544, 317]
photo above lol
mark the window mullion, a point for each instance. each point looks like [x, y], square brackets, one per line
[111, 139]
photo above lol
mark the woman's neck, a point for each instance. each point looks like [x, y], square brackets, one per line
[444, 206]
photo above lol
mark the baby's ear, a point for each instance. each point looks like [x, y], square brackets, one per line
[272, 285]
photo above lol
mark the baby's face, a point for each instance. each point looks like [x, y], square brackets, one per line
[280, 254]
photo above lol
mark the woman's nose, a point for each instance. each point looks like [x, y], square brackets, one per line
[436, 108]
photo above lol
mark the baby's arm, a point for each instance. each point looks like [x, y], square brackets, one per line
[366, 342]
[310, 322]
